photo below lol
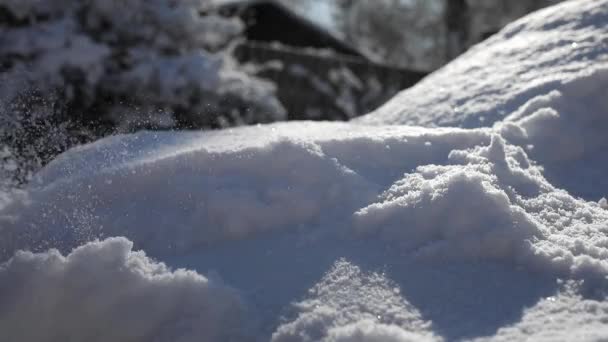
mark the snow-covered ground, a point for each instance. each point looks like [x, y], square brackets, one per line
[340, 231]
[542, 80]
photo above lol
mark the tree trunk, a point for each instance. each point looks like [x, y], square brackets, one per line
[457, 23]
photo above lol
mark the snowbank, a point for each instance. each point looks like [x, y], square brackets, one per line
[104, 291]
[190, 186]
[407, 185]
[426, 196]
[545, 75]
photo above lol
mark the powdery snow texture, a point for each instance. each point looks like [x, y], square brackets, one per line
[103, 291]
[415, 189]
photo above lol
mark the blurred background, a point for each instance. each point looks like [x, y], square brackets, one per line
[415, 34]
[74, 71]
[337, 59]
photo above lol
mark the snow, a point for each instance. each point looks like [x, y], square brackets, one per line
[567, 316]
[309, 231]
[540, 80]
[529, 57]
[104, 291]
[346, 305]
[311, 194]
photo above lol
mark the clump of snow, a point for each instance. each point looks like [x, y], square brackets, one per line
[490, 204]
[430, 209]
[565, 316]
[603, 203]
[104, 291]
[563, 131]
[545, 76]
[370, 331]
[349, 305]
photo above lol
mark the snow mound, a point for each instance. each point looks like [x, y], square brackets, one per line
[189, 187]
[349, 305]
[209, 190]
[545, 75]
[369, 331]
[563, 130]
[409, 195]
[564, 317]
[534, 55]
[518, 216]
[197, 197]
[104, 291]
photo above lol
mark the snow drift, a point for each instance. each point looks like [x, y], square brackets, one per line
[347, 304]
[340, 231]
[410, 192]
[212, 187]
[529, 57]
[103, 291]
[541, 80]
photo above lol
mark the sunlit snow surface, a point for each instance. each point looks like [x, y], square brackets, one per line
[338, 231]
[542, 79]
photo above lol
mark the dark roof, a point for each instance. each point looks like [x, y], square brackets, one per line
[315, 68]
[270, 21]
